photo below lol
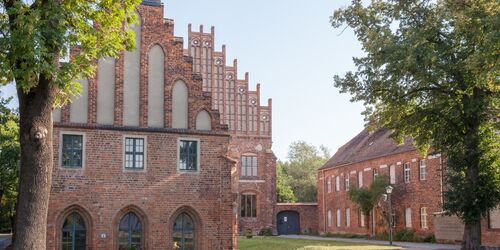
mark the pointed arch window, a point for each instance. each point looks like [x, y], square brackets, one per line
[184, 232]
[130, 232]
[74, 233]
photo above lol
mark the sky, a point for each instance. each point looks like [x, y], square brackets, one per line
[293, 51]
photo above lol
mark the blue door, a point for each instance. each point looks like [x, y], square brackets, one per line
[288, 222]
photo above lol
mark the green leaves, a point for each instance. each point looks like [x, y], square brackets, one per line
[35, 39]
[367, 198]
[431, 72]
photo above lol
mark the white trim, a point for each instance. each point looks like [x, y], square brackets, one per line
[383, 166]
[84, 142]
[252, 181]
[367, 169]
[352, 172]
[433, 156]
[414, 160]
[198, 160]
[398, 163]
[145, 150]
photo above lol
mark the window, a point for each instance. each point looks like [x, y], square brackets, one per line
[348, 217]
[329, 218]
[249, 165]
[360, 179]
[329, 185]
[72, 151]
[188, 155]
[130, 232]
[346, 182]
[408, 217]
[338, 217]
[494, 218]
[406, 172]
[134, 153]
[392, 173]
[248, 205]
[423, 171]
[423, 217]
[183, 232]
[361, 218]
[74, 233]
[337, 183]
[375, 173]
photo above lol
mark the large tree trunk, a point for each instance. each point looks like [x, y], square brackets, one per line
[35, 109]
[472, 237]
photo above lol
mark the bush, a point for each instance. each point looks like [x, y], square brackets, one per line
[430, 238]
[338, 235]
[267, 231]
[406, 235]
[248, 233]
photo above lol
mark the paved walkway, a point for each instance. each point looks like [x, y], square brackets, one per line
[405, 245]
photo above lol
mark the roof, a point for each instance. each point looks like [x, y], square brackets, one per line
[368, 145]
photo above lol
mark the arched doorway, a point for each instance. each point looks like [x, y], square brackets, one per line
[288, 222]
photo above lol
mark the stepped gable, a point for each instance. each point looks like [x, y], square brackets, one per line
[239, 106]
[368, 145]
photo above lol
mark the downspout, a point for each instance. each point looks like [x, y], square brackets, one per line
[324, 201]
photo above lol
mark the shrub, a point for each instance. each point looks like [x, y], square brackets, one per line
[406, 235]
[267, 231]
[430, 238]
[248, 233]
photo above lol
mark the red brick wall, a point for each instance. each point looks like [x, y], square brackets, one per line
[414, 195]
[102, 191]
[308, 214]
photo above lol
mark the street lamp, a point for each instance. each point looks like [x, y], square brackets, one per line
[388, 190]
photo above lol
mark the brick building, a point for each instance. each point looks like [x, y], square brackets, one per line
[165, 147]
[417, 196]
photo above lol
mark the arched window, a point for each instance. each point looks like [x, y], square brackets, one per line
[130, 232]
[183, 232]
[74, 233]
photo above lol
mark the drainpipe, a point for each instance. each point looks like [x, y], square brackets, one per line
[324, 201]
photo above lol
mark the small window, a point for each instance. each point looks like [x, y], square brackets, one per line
[423, 217]
[406, 172]
[134, 153]
[346, 182]
[72, 151]
[375, 173]
[188, 155]
[494, 218]
[408, 217]
[361, 217]
[337, 183]
[423, 171]
[329, 218]
[392, 173]
[360, 179]
[338, 218]
[249, 166]
[329, 185]
[348, 217]
[248, 205]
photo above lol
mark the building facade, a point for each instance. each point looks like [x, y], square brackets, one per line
[417, 198]
[165, 149]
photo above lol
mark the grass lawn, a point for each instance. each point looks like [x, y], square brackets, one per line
[277, 243]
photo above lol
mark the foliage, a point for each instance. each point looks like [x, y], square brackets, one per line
[37, 36]
[300, 171]
[343, 235]
[267, 231]
[368, 197]
[430, 71]
[406, 235]
[9, 163]
[248, 233]
[283, 191]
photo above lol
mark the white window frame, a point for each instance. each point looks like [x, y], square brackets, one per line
[84, 142]
[337, 183]
[346, 182]
[338, 218]
[408, 222]
[329, 218]
[374, 173]
[424, 218]
[329, 184]
[198, 144]
[348, 217]
[422, 170]
[406, 172]
[360, 179]
[145, 150]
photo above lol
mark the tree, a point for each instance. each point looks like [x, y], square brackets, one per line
[300, 171]
[284, 192]
[430, 71]
[9, 162]
[36, 38]
[367, 198]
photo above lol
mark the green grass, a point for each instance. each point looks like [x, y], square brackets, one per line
[278, 243]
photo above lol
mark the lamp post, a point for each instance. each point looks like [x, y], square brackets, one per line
[388, 190]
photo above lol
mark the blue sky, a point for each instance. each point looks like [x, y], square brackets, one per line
[292, 50]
